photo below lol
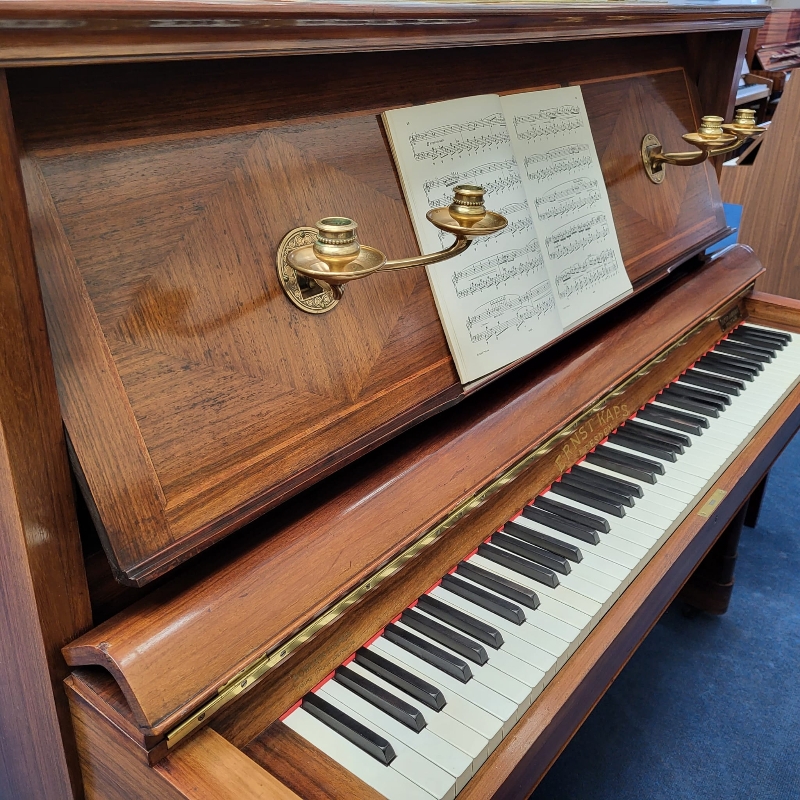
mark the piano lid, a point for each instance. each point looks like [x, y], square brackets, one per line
[177, 647]
[195, 395]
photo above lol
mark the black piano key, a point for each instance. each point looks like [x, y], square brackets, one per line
[572, 514]
[720, 401]
[777, 338]
[633, 441]
[773, 345]
[723, 367]
[692, 423]
[728, 386]
[628, 458]
[608, 503]
[578, 482]
[352, 730]
[739, 361]
[502, 586]
[652, 437]
[533, 553]
[676, 390]
[452, 640]
[396, 708]
[746, 350]
[543, 540]
[430, 653]
[681, 401]
[516, 563]
[660, 433]
[616, 485]
[491, 602]
[599, 459]
[475, 628]
[559, 524]
[421, 690]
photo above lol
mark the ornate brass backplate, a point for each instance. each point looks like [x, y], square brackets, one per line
[651, 145]
[315, 297]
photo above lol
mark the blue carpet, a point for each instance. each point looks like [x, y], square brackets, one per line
[708, 707]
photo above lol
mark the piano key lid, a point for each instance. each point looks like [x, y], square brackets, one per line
[314, 264]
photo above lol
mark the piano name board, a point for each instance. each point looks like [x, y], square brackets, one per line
[591, 433]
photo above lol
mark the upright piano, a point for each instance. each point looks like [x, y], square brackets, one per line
[250, 551]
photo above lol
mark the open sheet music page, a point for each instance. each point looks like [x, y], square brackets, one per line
[561, 176]
[495, 300]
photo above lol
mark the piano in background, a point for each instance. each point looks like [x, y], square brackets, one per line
[265, 494]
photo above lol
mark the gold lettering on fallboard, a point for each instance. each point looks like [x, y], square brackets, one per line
[589, 434]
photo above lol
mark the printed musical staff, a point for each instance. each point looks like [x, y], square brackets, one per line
[548, 122]
[559, 161]
[580, 194]
[577, 235]
[498, 269]
[460, 139]
[585, 275]
[510, 312]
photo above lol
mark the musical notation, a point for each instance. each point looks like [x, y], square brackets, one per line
[585, 275]
[577, 235]
[495, 177]
[567, 198]
[510, 311]
[570, 158]
[547, 122]
[498, 269]
[459, 139]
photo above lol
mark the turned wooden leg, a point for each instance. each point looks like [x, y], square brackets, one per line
[709, 589]
[754, 503]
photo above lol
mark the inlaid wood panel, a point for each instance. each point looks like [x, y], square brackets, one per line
[297, 561]
[195, 395]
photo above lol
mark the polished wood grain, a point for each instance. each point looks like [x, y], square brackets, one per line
[38, 33]
[769, 219]
[194, 394]
[303, 768]
[309, 542]
[44, 600]
[524, 756]
[781, 25]
[207, 767]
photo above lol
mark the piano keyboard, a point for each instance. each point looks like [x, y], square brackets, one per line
[417, 710]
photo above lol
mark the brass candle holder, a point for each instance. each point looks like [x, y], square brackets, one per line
[713, 138]
[315, 264]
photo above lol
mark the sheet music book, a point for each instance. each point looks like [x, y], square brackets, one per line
[558, 261]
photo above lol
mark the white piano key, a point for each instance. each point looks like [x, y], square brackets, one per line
[439, 769]
[576, 609]
[527, 634]
[474, 692]
[470, 729]
[520, 690]
[383, 779]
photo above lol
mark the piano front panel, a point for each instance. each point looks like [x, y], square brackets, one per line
[251, 725]
[194, 394]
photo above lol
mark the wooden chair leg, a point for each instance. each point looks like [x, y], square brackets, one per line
[754, 503]
[709, 589]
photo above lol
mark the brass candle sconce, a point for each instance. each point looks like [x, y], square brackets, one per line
[713, 138]
[314, 264]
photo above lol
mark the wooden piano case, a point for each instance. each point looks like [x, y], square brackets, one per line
[197, 401]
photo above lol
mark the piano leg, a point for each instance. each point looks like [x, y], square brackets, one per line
[709, 588]
[754, 503]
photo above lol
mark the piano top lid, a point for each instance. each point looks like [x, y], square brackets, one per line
[175, 649]
[37, 32]
[195, 395]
